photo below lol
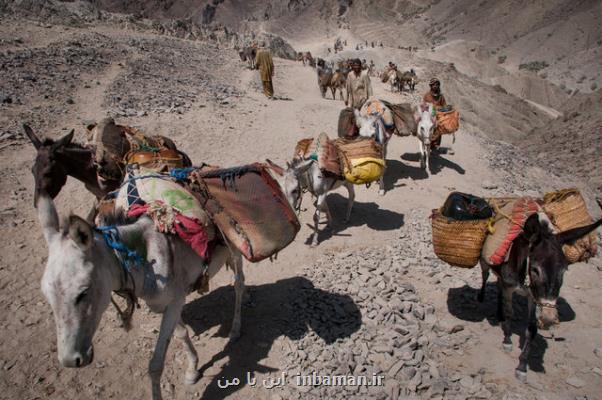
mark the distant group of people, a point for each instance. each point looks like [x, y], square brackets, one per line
[358, 84]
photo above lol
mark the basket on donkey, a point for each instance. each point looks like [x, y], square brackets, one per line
[459, 229]
[448, 122]
[567, 210]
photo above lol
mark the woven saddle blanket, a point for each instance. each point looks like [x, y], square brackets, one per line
[508, 224]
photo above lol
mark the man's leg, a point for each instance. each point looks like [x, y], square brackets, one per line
[268, 89]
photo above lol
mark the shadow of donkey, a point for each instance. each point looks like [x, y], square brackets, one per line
[290, 307]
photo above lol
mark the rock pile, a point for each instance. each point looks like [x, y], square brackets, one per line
[387, 330]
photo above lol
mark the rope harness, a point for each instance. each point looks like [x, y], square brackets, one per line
[128, 259]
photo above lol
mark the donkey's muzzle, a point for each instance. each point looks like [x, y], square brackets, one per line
[548, 317]
[78, 359]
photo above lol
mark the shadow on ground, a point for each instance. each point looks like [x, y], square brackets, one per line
[369, 214]
[437, 164]
[290, 307]
[462, 303]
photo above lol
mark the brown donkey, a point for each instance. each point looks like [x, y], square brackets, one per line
[535, 268]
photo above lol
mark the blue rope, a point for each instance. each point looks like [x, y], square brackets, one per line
[128, 258]
[181, 174]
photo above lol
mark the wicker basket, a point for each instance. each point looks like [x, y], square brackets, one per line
[567, 210]
[458, 243]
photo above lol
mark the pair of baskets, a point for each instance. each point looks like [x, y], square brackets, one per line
[459, 243]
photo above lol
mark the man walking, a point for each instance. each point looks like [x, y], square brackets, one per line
[359, 88]
[265, 65]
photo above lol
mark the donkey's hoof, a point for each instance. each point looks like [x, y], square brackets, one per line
[520, 375]
[192, 377]
[234, 336]
[507, 347]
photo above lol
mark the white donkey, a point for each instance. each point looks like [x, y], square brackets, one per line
[426, 126]
[373, 126]
[305, 175]
[83, 270]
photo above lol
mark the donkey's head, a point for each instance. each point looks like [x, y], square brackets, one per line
[49, 173]
[292, 179]
[547, 264]
[76, 282]
[369, 126]
[426, 122]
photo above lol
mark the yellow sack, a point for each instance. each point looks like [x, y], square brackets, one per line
[361, 160]
[364, 170]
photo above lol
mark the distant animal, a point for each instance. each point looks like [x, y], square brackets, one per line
[535, 269]
[248, 54]
[325, 76]
[337, 81]
[83, 269]
[305, 57]
[393, 80]
[305, 175]
[407, 78]
[373, 126]
[426, 126]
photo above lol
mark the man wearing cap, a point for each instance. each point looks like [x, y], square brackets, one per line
[359, 88]
[435, 97]
[265, 65]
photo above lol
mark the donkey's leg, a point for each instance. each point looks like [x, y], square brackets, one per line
[507, 309]
[381, 181]
[350, 199]
[318, 207]
[171, 317]
[239, 289]
[192, 373]
[530, 333]
[422, 153]
[485, 276]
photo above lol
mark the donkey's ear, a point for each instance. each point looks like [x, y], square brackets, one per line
[532, 228]
[302, 167]
[275, 167]
[568, 237]
[37, 143]
[65, 140]
[80, 232]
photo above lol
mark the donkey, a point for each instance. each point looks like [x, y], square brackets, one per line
[83, 270]
[325, 76]
[426, 126]
[373, 126]
[55, 160]
[535, 268]
[407, 78]
[305, 175]
[248, 54]
[337, 82]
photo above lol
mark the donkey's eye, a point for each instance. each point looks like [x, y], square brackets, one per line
[81, 296]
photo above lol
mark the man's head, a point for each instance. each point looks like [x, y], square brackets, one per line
[435, 86]
[356, 65]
